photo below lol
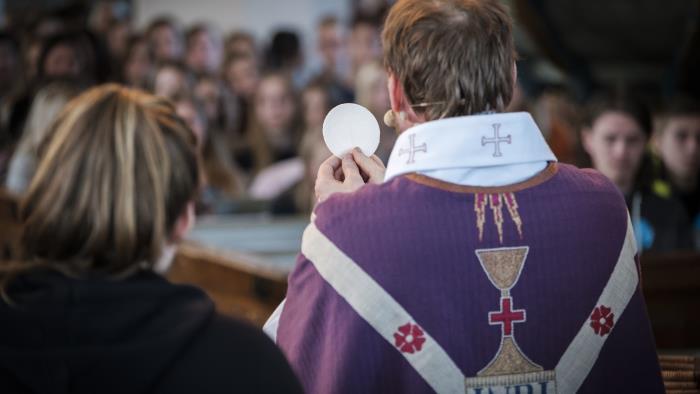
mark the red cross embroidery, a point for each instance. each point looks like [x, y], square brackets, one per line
[506, 316]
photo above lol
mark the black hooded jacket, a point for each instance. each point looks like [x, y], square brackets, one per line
[139, 335]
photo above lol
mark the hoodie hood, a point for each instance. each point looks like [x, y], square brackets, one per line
[64, 335]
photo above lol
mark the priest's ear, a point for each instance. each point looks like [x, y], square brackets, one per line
[404, 115]
[183, 224]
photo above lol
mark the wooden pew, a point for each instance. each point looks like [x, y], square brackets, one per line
[671, 286]
[681, 374]
[241, 261]
[238, 283]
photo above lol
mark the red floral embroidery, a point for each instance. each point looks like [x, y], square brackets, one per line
[409, 338]
[602, 320]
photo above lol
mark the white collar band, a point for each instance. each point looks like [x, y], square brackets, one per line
[469, 142]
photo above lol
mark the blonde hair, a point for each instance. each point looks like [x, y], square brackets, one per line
[262, 149]
[117, 170]
[46, 105]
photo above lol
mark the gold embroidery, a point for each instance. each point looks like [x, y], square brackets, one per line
[496, 201]
[480, 209]
[509, 360]
[502, 266]
[512, 205]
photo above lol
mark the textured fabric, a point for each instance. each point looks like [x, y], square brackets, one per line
[138, 335]
[420, 243]
[661, 224]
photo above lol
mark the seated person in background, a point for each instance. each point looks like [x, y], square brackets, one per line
[209, 90]
[274, 136]
[299, 198]
[332, 50]
[676, 140]
[86, 311]
[240, 43]
[223, 180]
[64, 56]
[476, 263]
[241, 77]
[363, 45]
[370, 92]
[165, 40]
[46, 105]
[204, 49]
[615, 136]
[171, 79]
[138, 63]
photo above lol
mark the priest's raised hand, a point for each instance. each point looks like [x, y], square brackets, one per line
[354, 170]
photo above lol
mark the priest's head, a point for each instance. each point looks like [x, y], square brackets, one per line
[448, 58]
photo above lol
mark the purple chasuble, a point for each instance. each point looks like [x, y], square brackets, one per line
[509, 281]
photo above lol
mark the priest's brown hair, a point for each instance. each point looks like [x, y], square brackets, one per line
[116, 172]
[454, 56]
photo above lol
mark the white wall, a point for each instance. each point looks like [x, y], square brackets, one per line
[259, 17]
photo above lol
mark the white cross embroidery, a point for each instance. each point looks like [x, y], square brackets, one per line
[413, 149]
[496, 140]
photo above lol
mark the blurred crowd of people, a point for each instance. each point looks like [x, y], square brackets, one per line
[257, 109]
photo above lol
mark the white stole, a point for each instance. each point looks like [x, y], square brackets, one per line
[478, 150]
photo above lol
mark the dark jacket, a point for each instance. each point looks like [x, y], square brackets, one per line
[661, 224]
[139, 335]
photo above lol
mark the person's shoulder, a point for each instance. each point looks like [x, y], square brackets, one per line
[588, 182]
[586, 179]
[231, 356]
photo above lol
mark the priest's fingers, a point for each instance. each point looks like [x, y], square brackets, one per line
[351, 172]
[326, 182]
[378, 161]
[371, 166]
[328, 167]
[338, 174]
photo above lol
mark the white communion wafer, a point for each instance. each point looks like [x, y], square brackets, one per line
[351, 125]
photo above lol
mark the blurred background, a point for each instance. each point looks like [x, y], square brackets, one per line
[613, 85]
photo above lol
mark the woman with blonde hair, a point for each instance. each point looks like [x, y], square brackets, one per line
[85, 311]
[273, 138]
[46, 105]
[274, 132]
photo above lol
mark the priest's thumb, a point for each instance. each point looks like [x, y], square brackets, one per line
[350, 170]
[372, 167]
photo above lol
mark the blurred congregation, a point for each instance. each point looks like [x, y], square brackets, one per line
[257, 107]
